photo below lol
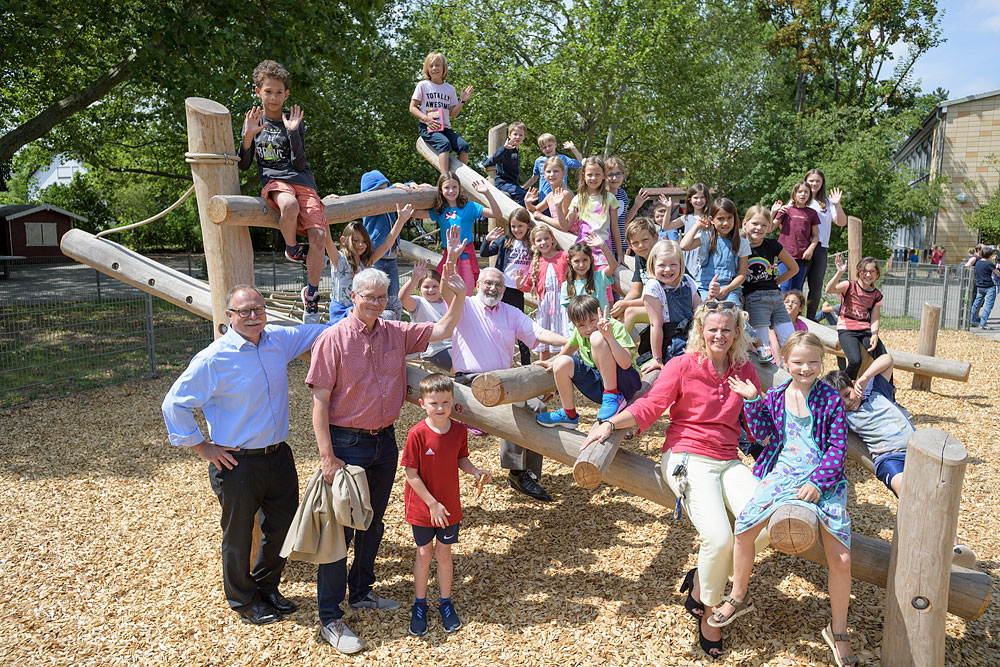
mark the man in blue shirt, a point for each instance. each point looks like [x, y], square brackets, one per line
[240, 382]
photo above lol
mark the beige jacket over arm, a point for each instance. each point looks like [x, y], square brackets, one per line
[317, 531]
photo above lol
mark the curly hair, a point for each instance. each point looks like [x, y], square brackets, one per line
[739, 351]
[268, 69]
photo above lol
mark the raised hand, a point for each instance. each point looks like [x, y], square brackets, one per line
[455, 243]
[481, 186]
[254, 123]
[641, 198]
[454, 281]
[667, 201]
[293, 119]
[743, 388]
[404, 213]
[835, 195]
[593, 240]
[776, 206]
[604, 324]
[494, 234]
[531, 195]
[558, 194]
[704, 223]
[419, 270]
[569, 145]
[466, 94]
[521, 279]
[840, 262]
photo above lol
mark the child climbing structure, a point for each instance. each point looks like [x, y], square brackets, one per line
[916, 568]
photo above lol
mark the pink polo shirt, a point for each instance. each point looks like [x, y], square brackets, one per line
[484, 338]
[704, 411]
[365, 372]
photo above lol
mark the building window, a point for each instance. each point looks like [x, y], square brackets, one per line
[65, 173]
[41, 234]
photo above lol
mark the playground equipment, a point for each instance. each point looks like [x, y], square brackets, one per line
[922, 582]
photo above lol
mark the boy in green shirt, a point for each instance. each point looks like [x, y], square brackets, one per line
[598, 359]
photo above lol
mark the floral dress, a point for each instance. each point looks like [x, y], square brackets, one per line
[796, 462]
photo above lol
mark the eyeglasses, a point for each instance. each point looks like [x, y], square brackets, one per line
[245, 312]
[616, 174]
[721, 305]
[493, 283]
[367, 298]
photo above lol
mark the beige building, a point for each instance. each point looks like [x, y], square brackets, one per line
[960, 140]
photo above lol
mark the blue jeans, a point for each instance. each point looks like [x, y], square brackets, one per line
[799, 279]
[390, 267]
[378, 455]
[985, 298]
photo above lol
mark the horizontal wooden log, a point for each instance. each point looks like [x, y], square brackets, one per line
[905, 361]
[793, 529]
[593, 462]
[467, 176]
[512, 385]
[255, 211]
[970, 591]
[148, 275]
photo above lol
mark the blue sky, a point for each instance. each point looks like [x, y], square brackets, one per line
[968, 63]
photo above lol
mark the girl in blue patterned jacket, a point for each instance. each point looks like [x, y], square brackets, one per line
[804, 426]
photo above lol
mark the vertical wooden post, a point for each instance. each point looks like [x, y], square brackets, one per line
[854, 250]
[497, 137]
[919, 568]
[930, 322]
[228, 252]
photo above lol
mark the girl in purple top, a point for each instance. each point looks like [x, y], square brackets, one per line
[802, 463]
[799, 231]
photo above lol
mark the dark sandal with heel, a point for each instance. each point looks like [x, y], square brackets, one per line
[740, 607]
[707, 645]
[696, 609]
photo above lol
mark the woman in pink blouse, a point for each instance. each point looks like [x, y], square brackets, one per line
[700, 459]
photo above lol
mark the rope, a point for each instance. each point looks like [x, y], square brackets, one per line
[190, 158]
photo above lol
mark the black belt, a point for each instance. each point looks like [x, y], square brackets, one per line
[361, 431]
[259, 451]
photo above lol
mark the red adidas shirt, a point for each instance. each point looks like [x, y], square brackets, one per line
[435, 456]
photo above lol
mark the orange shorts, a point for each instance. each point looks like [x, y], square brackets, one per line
[312, 212]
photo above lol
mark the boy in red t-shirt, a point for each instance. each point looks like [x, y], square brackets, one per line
[436, 449]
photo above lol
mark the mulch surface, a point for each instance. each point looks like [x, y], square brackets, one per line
[110, 541]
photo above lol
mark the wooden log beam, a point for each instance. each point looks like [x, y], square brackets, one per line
[467, 176]
[593, 462]
[917, 597]
[793, 529]
[240, 210]
[228, 251]
[854, 250]
[930, 322]
[146, 274]
[918, 364]
[970, 590]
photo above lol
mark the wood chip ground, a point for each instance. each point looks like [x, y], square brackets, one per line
[109, 552]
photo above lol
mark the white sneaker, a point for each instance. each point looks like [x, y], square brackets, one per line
[372, 601]
[341, 637]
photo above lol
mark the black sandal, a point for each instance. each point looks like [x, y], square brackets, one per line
[707, 645]
[696, 609]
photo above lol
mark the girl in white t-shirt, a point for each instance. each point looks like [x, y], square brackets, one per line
[435, 103]
[428, 307]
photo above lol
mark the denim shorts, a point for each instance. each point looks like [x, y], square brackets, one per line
[424, 534]
[765, 308]
[444, 141]
[889, 465]
[588, 380]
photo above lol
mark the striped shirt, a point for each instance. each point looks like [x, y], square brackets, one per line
[365, 371]
[623, 203]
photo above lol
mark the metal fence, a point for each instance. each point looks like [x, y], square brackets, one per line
[907, 286]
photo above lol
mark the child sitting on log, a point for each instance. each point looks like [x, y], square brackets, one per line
[802, 463]
[277, 141]
[507, 161]
[598, 359]
[435, 103]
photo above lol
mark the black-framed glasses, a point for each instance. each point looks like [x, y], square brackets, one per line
[245, 312]
[721, 305]
[616, 174]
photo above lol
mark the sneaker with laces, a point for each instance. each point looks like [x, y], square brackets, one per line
[557, 418]
[449, 617]
[298, 255]
[372, 601]
[764, 354]
[341, 637]
[418, 619]
[611, 404]
[311, 307]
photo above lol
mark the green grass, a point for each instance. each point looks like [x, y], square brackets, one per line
[57, 349]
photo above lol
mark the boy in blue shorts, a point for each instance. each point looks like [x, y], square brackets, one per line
[547, 143]
[507, 161]
[277, 141]
[436, 449]
[598, 359]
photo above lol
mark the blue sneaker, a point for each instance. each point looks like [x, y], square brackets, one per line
[557, 418]
[449, 617]
[418, 619]
[611, 405]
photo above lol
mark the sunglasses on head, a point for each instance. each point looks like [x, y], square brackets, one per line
[721, 305]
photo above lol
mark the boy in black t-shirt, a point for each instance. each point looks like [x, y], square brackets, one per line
[277, 141]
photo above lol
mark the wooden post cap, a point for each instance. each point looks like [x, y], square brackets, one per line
[793, 529]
